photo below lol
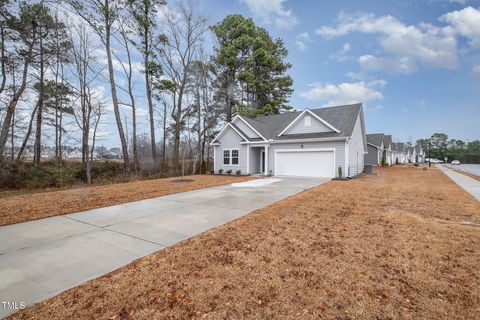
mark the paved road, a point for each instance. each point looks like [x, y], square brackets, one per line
[472, 168]
[39, 259]
[470, 185]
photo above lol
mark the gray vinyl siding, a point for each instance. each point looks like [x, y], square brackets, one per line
[339, 147]
[356, 150]
[254, 158]
[230, 140]
[372, 157]
[246, 129]
[316, 126]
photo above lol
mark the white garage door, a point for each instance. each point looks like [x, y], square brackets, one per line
[305, 163]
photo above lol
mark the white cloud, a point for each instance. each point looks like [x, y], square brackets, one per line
[465, 22]
[341, 55]
[303, 40]
[476, 72]
[273, 11]
[403, 65]
[431, 46]
[344, 93]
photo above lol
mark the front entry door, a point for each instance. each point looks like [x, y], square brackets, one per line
[262, 161]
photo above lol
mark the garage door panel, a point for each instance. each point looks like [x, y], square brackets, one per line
[305, 163]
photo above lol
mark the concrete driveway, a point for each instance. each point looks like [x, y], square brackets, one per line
[39, 259]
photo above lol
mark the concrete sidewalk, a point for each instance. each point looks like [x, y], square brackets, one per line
[39, 259]
[470, 185]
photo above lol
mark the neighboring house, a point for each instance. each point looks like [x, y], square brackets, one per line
[308, 143]
[399, 152]
[419, 155]
[387, 149]
[374, 149]
[411, 153]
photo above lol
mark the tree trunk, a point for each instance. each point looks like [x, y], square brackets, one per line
[164, 147]
[37, 149]
[116, 108]
[2, 58]
[27, 135]
[149, 100]
[7, 120]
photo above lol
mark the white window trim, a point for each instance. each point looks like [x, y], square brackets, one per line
[230, 158]
[312, 114]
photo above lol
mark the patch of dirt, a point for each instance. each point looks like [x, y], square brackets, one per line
[387, 246]
[21, 208]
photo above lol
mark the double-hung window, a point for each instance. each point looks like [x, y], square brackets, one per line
[230, 157]
[234, 157]
[226, 157]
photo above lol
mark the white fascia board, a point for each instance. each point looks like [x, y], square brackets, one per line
[248, 124]
[373, 145]
[308, 140]
[229, 125]
[313, 115]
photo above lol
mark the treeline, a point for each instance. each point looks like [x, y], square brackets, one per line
[68, 66]
[440, 147]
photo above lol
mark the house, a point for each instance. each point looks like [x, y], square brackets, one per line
[387, 149]
[419, 155]
[308, 143]
[411, 154]
[374, 149]
[399, 153]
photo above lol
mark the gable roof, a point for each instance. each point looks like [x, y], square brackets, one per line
[387, 140]
[305, 111]
[399, 146]
[375, 139]
[235, 128]
[342, 118]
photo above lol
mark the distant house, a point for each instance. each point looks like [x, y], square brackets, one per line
[387, 149]
[419, 155]
[399, 153]
[374, 149]
[308, 143]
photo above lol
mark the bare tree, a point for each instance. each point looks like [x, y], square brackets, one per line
[128, 71]
[26, 28]
[101, 15]
[87, 111]
[184, 32]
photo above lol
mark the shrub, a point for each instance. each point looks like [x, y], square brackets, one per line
[229, 171]
[340, 172]
[239, 172]
[383, 162]
[396, 161]
[220, 171]
[212, 171]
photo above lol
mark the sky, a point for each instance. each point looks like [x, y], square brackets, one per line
[415, 64]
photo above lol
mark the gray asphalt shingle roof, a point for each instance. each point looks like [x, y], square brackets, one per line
[343, 118]
[399, 146]
[387, 140]
[375, 139]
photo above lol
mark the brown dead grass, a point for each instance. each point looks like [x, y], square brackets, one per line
[391, 246]
[21, 208]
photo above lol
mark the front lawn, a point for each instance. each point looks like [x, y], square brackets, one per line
[400, 245]
[20, 208]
